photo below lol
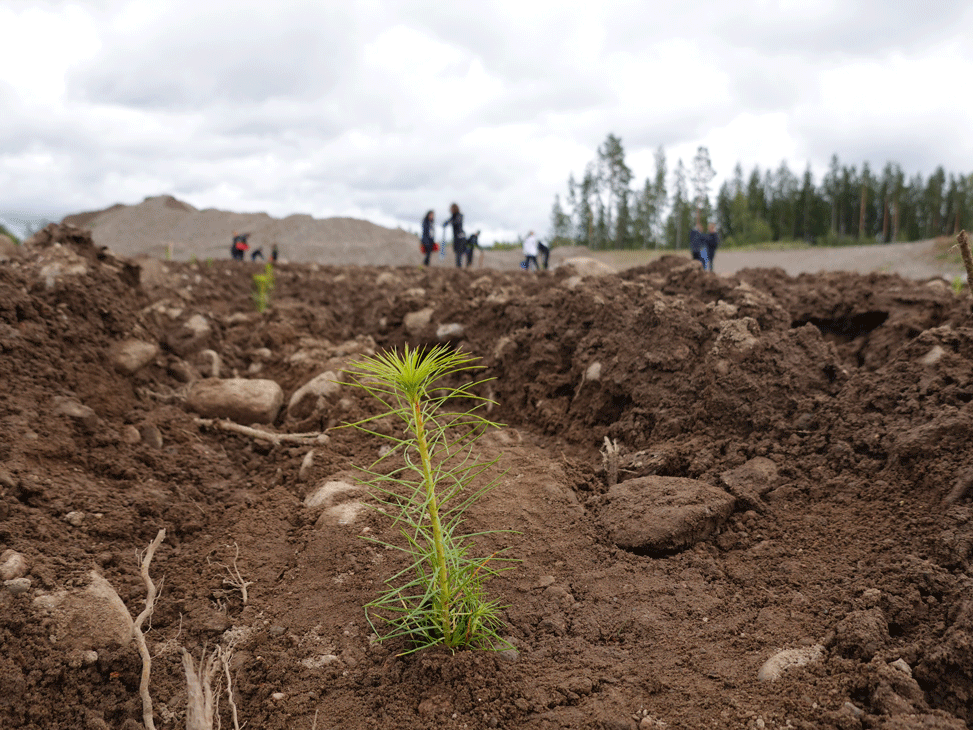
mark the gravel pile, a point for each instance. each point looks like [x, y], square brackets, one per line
[158, 223]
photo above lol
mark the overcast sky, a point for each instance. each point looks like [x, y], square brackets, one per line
[382, 110]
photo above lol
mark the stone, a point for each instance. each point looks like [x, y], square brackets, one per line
[75, 519]
[64, 406]
[758, 475]
[238, 399]
[655, 514]
[325, 494]
[584, 266]
[311, 397]
[90, 617]
[17, 585]
[773, 668]
[131, 355]
[190, 336]
[340, 514]
[13, 565]
[416, 322]
[450, 331]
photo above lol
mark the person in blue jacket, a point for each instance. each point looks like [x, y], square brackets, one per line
[697, 245]
[712, 242]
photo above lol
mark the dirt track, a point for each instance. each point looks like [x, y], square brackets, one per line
[794, 477]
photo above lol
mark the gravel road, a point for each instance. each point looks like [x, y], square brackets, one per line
[916, 260]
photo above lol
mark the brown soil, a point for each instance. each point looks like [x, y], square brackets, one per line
[851, 393]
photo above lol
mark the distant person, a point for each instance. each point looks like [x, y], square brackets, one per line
[697, 245]
[428, 242]
[274, 253]
[530, 252]
[712, 243]
[240, 246]
[459, 238]
[258, 252]
[545, 253]
[472, 243]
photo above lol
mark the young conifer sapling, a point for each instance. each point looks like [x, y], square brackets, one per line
[439, 598]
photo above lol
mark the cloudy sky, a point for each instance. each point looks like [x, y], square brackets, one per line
[381, 110]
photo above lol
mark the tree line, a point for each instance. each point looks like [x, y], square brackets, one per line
[603, 210]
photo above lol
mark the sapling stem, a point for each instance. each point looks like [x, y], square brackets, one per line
[433, 509]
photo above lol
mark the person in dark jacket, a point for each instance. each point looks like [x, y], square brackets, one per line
[697, 244]
[472, 243]
[428, 242]
[712, 242]
[459, 238]
[545, 253]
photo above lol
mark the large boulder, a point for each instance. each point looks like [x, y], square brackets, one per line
[238, 399]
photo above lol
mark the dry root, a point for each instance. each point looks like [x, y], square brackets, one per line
[235, 578]
[275, 438]
[200, 705]
[609, 457]
[150, 594]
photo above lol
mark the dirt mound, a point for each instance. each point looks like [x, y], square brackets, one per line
[159, 223]
[828, 417]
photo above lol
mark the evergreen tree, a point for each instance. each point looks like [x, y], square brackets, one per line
[832, 190]
[702, 175]
[680, 221]
[560, 224]
[623, 221]
[933, 199]
[616, 178]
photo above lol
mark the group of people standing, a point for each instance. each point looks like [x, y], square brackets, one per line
[533, 247]
[463, 245]
[239, 248]
[703, 245]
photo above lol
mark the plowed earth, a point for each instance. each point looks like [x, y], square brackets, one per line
[834, 409]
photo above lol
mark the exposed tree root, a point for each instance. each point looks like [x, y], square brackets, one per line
[312, 437]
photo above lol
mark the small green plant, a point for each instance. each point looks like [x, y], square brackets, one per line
[439, 598]
[263, 285]
[957, 285]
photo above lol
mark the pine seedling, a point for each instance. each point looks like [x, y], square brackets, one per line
[439, 599]
[263, 285]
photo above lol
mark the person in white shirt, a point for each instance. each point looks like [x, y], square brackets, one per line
[530, 252]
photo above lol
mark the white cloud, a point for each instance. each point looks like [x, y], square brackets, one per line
[385, 109]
